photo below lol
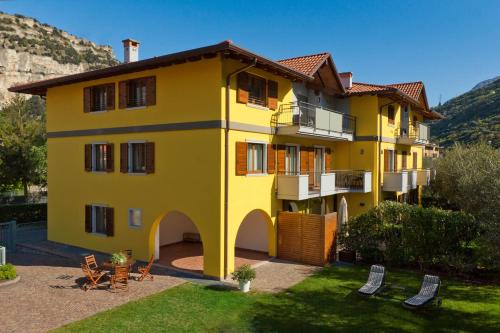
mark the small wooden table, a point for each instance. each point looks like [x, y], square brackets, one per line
[108, 265]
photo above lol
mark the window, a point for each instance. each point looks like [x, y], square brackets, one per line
[389, 160]
[390, 114]
[134, 217]
[137, 157]
[99, 219]
[255, 158]
[99, 98]
[291, 160]
[99, 157]
[256, 90]
[404, 156]
[136, 95]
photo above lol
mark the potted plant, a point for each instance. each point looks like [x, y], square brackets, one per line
[244, 275]
[119, 258]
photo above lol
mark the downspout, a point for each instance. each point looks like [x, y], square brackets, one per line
[226, 158]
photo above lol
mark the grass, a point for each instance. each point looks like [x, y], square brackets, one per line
[324, 302]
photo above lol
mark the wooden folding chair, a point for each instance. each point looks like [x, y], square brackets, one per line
[92, 277]
[144, 270]
[120, 279]
[92, 263]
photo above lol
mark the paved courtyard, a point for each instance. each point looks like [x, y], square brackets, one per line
[49, 295]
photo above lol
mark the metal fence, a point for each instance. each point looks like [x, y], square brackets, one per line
[12, 233]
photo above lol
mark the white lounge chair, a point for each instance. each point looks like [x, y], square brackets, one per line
[375, 281]
[428, 293]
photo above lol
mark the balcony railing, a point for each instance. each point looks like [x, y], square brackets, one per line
[423, 177]
[396, 181]
[412, 179]
[319, 184]
[416, 132]
[308, 119]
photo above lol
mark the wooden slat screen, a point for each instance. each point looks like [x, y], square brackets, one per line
[110, 161]
[415, 160]
[150, 157]
[110, 221]
[281, 159]
[241, 159]
[88, 218]
[122, 94]
[328, 159]
[110, 96]
[272, 94]
[310, 164]
[150, 90]
[304, 160]
[124, 157]
[271, 159]
[242, 89]
[386, 160]
[86, 99]
[88, 157]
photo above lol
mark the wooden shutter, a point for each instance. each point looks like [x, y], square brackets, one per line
[386, 160]
[124, 157]
[328, 159]
[88, 157]
[241, 158]
[415, 160]
[304, 160]
[281, 159]
[395, 161]
[310, 164]
[110, 160]
[151, 90]
[404, 160]
[110, 96]
[242, 93]
[271, 159]
[150, 157]
[122, 94]
[88, 218]
[272, 94]
[110, 221]
[86, 99]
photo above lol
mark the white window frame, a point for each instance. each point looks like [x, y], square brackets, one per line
[94, 156]
[130, 167]
[264, 157]
[93, 219]
[132, 226]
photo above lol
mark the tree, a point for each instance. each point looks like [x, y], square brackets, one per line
[468, 177]
[23, 151]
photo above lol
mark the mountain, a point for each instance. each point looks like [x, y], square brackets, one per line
[485, 83]
[470, 117]
[32, 51]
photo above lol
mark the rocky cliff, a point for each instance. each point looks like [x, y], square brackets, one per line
[32, 51]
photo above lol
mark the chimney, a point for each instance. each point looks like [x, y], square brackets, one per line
[346, 79]
[130, 50]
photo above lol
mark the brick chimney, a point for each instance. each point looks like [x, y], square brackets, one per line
[130, 50]
[346, 79]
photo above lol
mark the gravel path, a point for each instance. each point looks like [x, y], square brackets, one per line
[49, 295]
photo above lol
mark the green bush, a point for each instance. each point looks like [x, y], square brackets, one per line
[24, 213]
[244, 274]
[402, 234]
[7, 272]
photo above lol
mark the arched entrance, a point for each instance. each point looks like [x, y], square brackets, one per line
[254, 238]
[178, 243]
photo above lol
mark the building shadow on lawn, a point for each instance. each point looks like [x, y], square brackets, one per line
[329, 302]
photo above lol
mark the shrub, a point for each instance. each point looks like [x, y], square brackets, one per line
[402, 234]
[244, 274]
[23, 213]
[7, 272]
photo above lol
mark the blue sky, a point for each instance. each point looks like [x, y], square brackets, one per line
[449, 44]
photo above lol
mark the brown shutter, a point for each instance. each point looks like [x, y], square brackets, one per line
[242, 93]
[88, 218]
[124, 157]
[122, 92]
[328, 159]
[395, 161]
[310, 164]
[403, 162]
[150, 157]
[415, 160]
[88, 157]
[271, 158]
[281, 159]
[386, 160]
[110, 96]
[110, 160]
[151, 90]
[110, 221]
[241, 158]
[86, 99]
[304, 160]
[272, 94]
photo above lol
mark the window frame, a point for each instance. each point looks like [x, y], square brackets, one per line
[103, 107]
[391, 119]
[392, 158]
[257, 102]
[130, 156]
[133, 83]
[133, 226]
[251, 172]
[94, 157]
[94, 221]
[297, 159]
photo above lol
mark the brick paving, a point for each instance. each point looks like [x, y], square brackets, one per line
[49, 295]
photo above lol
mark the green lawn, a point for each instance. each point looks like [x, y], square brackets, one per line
[322, 303]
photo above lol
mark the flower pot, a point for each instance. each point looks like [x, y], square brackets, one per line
[245, 286]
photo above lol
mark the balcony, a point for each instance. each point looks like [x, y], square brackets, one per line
[396, 181]
[303, 119]
[301, 187]
[417, 133]
[423, 177]
[412, 179]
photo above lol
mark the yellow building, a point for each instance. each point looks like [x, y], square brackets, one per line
[189, 157]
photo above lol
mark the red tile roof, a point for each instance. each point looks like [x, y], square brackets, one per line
[412, 89]
[366, 88]
[306, 64]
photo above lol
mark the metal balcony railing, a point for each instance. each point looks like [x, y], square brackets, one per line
[416, 132]
[314, 116]
[353, 180]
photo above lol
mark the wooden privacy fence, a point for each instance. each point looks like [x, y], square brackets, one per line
[306, 238]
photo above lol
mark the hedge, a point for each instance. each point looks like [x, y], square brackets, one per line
[7, 272]
[402, 234]
[24, 213]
